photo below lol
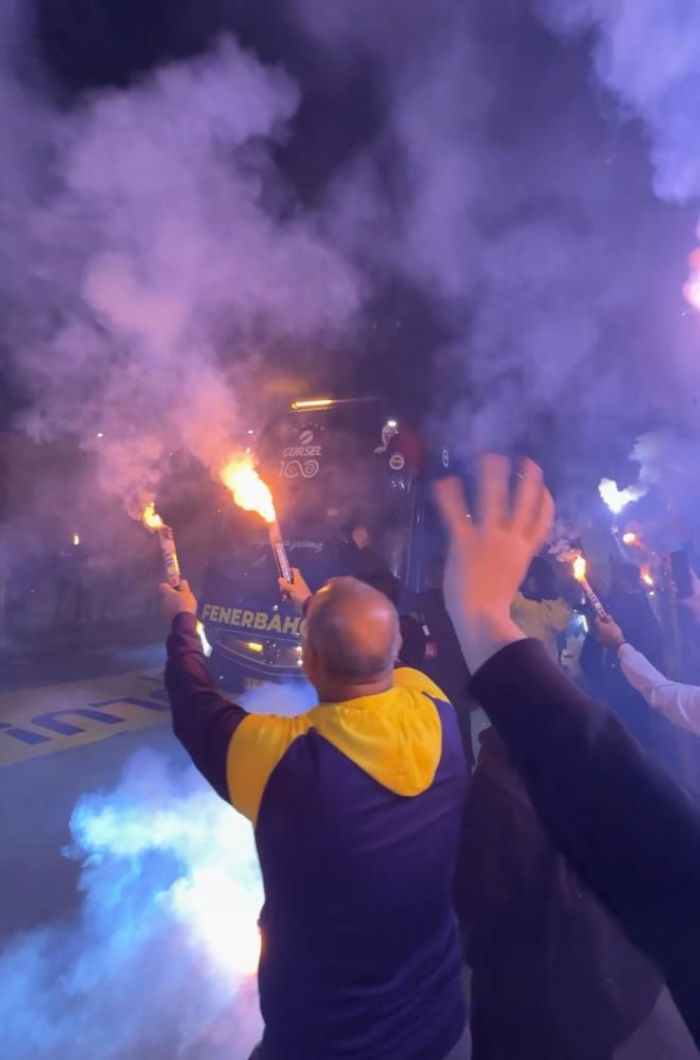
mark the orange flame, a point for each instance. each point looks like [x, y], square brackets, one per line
[579, 568]
[248, 489]
[647, 576]
[150, 517]
[76, 539]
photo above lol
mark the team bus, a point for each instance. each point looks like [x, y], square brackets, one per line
[349, 482]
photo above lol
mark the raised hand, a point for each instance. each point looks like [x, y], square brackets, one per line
[609, 633]
[297, 590]
[488, 555]
[174, 601]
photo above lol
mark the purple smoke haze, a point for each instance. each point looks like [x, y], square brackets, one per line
[521, 203]
[155, 251]
[648, 52]
[647, 55]
[159, 252]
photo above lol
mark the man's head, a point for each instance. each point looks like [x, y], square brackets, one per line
[351, 640]
[541, 581]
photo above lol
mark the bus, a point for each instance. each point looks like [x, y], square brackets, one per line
[350, 485]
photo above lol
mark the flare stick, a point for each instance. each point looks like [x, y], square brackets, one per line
[166, 540]
[279, 551]
[591, 596]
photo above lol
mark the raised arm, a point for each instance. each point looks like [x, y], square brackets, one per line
[679, 703]
[626, 826]
[203, 720]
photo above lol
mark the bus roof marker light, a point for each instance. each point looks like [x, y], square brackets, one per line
[313, 403]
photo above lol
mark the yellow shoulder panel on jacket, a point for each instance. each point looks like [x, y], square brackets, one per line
[395, 736]
[257, 746]
[405, 677]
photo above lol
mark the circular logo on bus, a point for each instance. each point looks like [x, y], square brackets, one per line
[397, 462]
[306, 437]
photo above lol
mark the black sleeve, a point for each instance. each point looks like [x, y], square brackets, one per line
[413, 643]
[203, 720]
[627, 827]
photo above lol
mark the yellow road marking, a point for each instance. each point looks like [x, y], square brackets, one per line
[40, 721]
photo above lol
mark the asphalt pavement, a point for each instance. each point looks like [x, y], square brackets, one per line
[51, 753]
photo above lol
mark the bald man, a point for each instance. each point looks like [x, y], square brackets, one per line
[356, 807]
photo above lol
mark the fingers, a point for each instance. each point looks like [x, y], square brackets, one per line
[528, 497]
[533, 505]
[448, 494]
[608, 631]
[543, 520]
[494, 471]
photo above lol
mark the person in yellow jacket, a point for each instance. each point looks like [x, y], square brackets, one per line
[538, 609]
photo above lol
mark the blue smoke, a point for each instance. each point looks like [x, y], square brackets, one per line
[159, 960]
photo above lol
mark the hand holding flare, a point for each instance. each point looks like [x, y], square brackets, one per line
[175, 592]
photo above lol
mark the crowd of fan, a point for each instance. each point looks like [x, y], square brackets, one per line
[564, 874]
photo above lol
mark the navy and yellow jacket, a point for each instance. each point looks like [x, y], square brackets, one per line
[356, 808]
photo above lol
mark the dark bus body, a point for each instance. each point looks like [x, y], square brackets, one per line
[332, 466]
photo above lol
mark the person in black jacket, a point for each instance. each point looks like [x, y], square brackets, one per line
[629, 605]
[553, 975]
[442, 660]
[630, 832]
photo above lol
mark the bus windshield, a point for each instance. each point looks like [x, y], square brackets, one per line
[331, 472]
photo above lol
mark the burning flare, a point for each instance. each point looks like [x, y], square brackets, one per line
[166, 539]
[253, 495]
[647, 576]
[150, 517]
[579, 569]
[248, 489]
